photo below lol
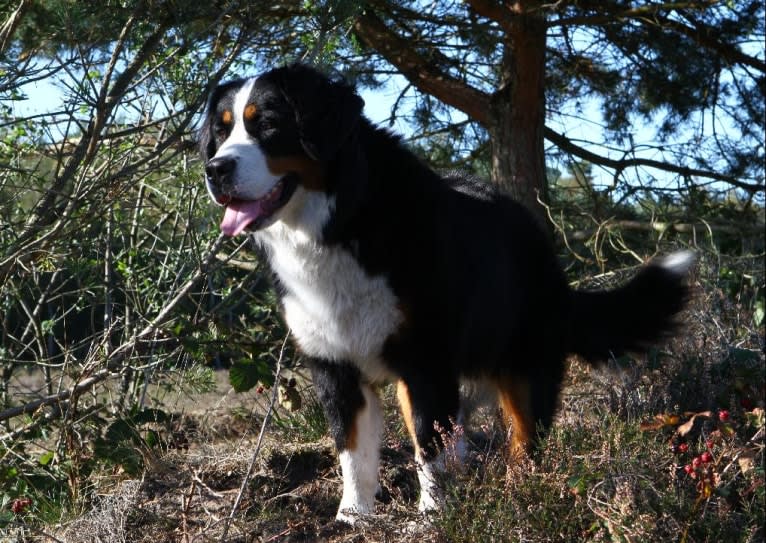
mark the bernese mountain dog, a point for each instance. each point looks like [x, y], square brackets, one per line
[389, 271]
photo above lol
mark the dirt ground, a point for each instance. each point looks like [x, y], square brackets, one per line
[188, 493]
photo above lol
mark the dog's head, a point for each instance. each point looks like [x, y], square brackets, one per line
[268, 141]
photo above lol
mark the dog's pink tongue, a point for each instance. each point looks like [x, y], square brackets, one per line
[238, 215]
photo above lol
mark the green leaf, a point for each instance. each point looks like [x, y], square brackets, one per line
[46, 458]
[759, 313]
[150, 415]
[6, 517]
[577, 484]
[128, 457]
[120, 430]
[46, 326]
[245, 374]
[8, 473]
[743, 356]
[152, 439]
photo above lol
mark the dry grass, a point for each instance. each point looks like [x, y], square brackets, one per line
[598, 476]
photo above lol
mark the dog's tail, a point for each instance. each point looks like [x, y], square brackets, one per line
[632, 317]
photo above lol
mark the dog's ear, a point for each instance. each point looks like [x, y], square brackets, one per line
[327, 110]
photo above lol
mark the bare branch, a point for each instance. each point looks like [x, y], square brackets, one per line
[11, 23]
[113, 359]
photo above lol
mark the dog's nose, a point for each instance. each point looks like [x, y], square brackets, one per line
[219, 170]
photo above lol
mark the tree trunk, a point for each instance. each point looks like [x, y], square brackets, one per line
[514, 115]
[516, 123]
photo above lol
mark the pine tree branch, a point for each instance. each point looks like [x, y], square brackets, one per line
[420, 71]
[11, 24]
[505, 13]
[492, 10]
[565, 144]
[427, 76]
[701, 34]
[703, 37]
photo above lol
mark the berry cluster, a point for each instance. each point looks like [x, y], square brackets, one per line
[288, 383]
[702, 467]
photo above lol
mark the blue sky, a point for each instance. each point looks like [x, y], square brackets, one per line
[581, 126]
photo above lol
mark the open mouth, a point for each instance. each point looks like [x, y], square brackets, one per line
[244, 215]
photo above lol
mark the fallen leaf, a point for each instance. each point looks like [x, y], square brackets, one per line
[686, 427]
[658, 422]
[746, 460]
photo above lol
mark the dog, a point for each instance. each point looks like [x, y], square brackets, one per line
[389, 271]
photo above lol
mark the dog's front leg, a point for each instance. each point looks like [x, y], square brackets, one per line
[355, 418]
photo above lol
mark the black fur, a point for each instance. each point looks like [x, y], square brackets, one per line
[338, 388]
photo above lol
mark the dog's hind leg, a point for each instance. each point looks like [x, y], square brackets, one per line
[430, 409]
[355, 418]
[529, 404]
[515, 402]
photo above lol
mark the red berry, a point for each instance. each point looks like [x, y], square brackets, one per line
[723, 415]
[688, 469]
[709, 443]
[19, 505]
[683, 447]
[696, 461]
[706, 457]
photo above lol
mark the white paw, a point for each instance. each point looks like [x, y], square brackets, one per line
[347, 516]
[431, 500]
[350, 515]
[431, 492]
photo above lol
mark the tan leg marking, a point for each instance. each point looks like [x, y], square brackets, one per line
[403, 394]
[353, 433]
[515, 402]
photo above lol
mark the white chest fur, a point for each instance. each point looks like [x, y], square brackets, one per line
[336, 311]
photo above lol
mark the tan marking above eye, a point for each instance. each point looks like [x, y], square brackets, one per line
[227, 117]
[249, 113]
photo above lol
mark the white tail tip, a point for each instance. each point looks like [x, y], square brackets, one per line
[679, 262]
